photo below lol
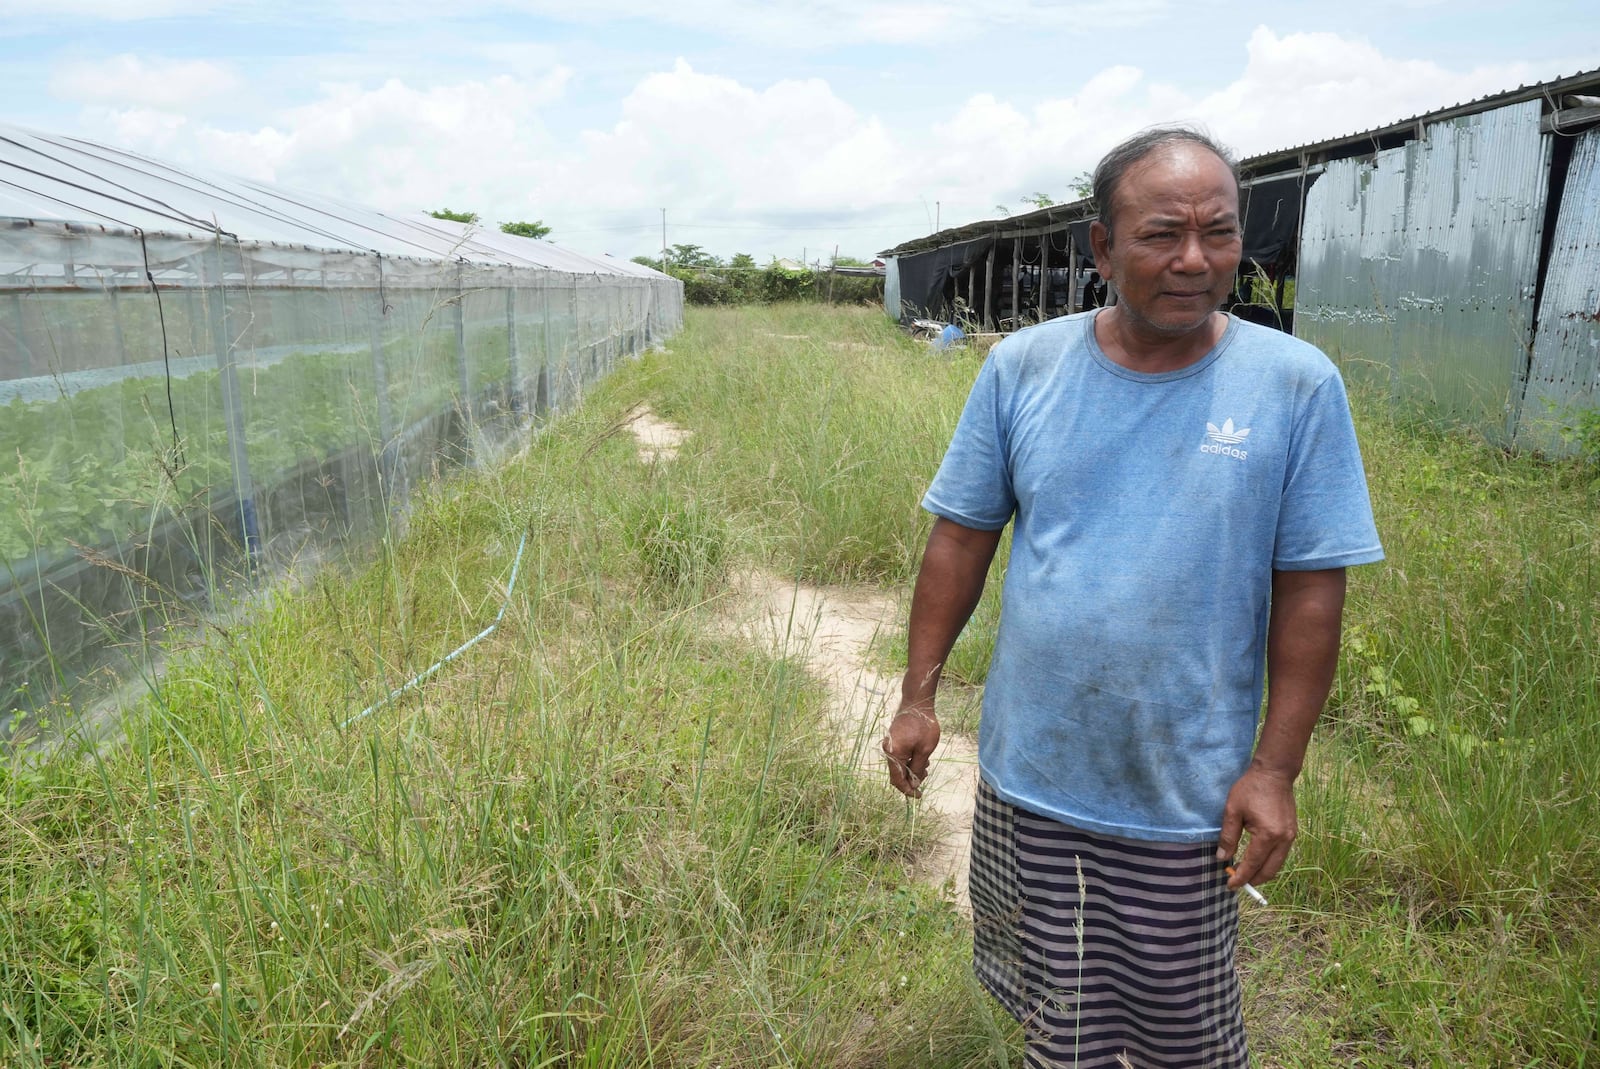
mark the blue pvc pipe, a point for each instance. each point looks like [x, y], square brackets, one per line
[411, 684]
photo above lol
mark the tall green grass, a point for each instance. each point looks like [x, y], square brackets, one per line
[605, 837]
[821, 429]
[1441, 907]
[1451, 857]
[610, 835]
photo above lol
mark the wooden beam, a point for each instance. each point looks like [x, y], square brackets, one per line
[972, 291]
[988, 291]
[1053, 228]
[1567, 120]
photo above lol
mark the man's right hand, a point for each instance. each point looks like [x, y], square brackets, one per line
[909, 743]
[949, 584]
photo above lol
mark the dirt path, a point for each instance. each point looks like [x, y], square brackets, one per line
[831, 630]
[658, 439]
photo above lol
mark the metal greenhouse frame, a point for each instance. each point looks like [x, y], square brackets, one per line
[201, 375]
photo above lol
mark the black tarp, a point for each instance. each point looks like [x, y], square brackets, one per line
[1271, 219]
[923, 276]
[1080, 239]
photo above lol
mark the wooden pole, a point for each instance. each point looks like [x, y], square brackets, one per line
[1016, 282]
[988, 290]
[972, 290]
[1072, 274]
[1044, 277]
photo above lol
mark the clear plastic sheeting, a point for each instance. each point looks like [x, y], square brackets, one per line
[203, 377]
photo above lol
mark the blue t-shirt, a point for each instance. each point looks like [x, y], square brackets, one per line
[1151, 511]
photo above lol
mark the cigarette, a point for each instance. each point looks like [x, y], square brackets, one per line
[1247, 889]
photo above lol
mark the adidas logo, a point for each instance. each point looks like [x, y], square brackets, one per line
[1225, 440]
[1226, 433]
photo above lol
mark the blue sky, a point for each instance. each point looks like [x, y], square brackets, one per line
[767, 128]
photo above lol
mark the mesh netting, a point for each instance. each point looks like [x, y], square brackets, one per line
[177, 412]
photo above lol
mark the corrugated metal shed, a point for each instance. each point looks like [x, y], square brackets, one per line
[1418, 267]
[1429, 258]
[1564, 374]
[1377, 138]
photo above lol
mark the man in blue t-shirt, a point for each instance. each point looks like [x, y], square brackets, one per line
[1186, 492]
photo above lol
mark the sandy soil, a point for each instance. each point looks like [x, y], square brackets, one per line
[831, 630]
[658, 439]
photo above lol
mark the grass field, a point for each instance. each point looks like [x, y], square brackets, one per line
[610, 835]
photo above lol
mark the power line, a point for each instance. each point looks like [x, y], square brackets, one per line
[776, 228]
[764, 228]
[609, 229]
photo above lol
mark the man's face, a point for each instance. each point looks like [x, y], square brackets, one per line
[1176, 245]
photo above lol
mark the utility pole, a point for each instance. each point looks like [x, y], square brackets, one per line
[935, 216]
[663, 239]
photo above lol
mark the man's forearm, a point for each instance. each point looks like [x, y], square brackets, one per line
[954, 568]
[949, 584]
[1302, 650]
[1302, 653]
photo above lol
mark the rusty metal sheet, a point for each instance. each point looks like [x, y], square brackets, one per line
[1418, 266]
[1564, 374]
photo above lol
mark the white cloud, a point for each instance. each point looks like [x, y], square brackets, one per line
[1312, 86]
[131, 81]
[394, 146]
[717, 152]
[708, 145]
[110, 10]
[1294, 89]
[808, 23]
[802, 23]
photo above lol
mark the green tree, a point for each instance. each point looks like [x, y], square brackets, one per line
[456, 217]
[742, 261]
[1038, 200]
[652, 262]
[535, 229]
[683, 255]
[1083, 185]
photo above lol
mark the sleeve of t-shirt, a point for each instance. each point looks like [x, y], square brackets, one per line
[1326, 517]
[973, 484]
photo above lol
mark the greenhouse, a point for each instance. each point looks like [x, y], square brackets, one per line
[205, 379]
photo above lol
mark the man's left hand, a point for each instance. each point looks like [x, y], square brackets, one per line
[1262, 803]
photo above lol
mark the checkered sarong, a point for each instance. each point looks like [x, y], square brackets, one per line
[1138, 963]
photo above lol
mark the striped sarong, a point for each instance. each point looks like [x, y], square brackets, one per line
[1109, 951]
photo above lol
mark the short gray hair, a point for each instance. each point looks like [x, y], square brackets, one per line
[1114, 165]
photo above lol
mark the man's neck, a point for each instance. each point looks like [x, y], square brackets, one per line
[1152, 352]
